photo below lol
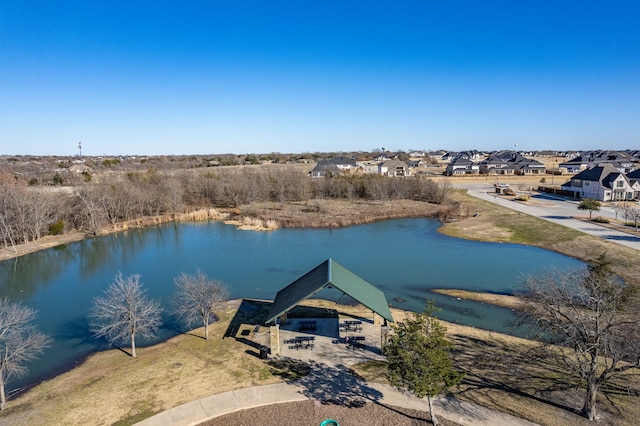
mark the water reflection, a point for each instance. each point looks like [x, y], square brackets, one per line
[21, 277]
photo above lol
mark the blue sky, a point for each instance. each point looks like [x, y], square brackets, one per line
[203, 77]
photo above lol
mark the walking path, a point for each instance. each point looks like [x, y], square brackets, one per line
[325, 382]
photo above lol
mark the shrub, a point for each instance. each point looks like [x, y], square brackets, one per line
[56, 228]
[522, 198]
[601, 219]
[543, 179]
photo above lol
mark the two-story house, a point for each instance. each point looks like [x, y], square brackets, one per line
[603, 183]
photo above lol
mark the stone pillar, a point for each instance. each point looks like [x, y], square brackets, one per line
[274, 336]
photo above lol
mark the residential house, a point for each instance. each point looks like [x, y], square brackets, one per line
[634, 180]
[324, 169]
[510, 163]
[623, 162]
[448, 156]
[495, 166]
[382, 157]
[415, 164]
[369, 167]
[527, 166]
[470, 155]
[602, 182]
[575, 165]
[462, 166]
[394, 168]
[333, 166]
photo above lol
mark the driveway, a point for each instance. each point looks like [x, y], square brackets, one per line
[557, 210]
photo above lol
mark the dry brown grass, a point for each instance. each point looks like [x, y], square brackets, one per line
[335, 213]
[254, 224]
[503, 300]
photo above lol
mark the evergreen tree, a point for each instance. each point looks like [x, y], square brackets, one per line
[418, 354]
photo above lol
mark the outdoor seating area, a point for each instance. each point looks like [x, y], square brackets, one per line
[302, 342]
[351, 325]
[330, 343]
[355, 342]
[331, 334]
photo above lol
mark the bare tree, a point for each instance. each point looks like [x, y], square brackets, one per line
[43, 212]
[618, 208]
[20, 341]
[6, 224]
[633, 214]
[198, 297]
[589, 321]
[88, 213]
[125, 312]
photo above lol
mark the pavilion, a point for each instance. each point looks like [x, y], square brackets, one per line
[329, 273]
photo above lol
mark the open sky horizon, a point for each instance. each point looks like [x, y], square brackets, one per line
[205, 77]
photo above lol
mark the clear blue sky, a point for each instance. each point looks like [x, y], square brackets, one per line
[202, 77]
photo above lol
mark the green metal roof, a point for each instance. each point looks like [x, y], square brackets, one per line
[332, 273]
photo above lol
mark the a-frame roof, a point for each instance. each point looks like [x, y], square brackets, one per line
[331, 273]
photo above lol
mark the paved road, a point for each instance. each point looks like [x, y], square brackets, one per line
[557, 210]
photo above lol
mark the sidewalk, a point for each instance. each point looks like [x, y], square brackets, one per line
[323, 383]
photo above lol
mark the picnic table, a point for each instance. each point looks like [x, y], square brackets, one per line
[355, 342]
[351, 325]
[304, 342]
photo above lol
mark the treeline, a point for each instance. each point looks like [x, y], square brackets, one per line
[29, 212]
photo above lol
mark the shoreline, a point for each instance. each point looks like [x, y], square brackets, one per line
[502, 300]
[51, 241]
[258, 217]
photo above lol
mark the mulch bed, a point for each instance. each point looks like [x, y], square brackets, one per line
[314, 412]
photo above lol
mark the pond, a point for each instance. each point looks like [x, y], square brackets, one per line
[405, 258]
